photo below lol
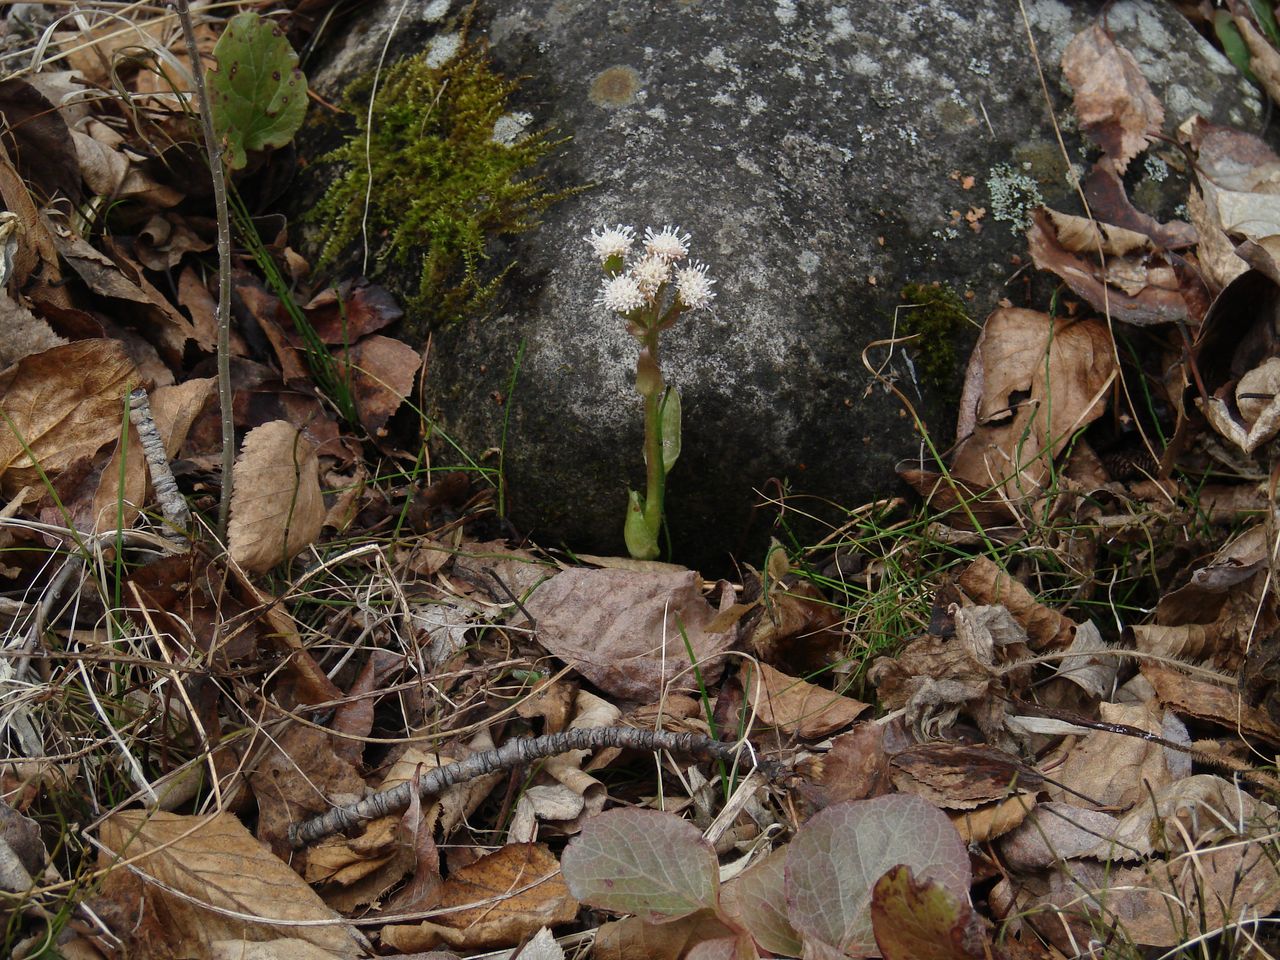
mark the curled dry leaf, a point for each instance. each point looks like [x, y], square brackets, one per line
[1239, 175]
[986, 583]
[62, 406]
[1143, 289]
[1113, 100]
[276, 505]
[1033, 382]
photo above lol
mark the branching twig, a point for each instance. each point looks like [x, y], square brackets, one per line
[214, 149]
[510, 755]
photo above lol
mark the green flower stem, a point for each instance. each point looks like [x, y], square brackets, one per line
[656, 474]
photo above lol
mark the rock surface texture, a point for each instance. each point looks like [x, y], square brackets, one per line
[822, 155]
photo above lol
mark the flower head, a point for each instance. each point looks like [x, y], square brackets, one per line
[693, 286]
[650, 273]
[670, 244]
[611, 242]
[621, 293]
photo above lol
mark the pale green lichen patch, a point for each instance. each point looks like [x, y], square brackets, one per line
[1015, 194]
[431, 179]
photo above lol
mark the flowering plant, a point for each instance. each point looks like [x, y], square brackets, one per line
[650, 290]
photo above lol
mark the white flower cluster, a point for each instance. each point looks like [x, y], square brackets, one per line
[638, 285]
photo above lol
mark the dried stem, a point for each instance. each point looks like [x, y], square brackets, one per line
[214, 149]
[516, 753]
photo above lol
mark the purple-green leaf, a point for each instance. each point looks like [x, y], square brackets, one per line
[757, 899]
[652, 864]
[838, 855]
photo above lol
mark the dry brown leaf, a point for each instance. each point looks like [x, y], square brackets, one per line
[1215, 252]
[622, 629]
[1196, 894]
[381, 372]
[994, 819]
[498, 901]
[1146, 290]
[960, 776]
[1113, 101]
[1108, 202]
[1210, 703]
[856, 767]
[351, 312]
[1115, 770]
[276, 505]
[1264, 61]
[214, 861]
[1082, 235]
[1039, 380]
[798, 707]
[64, 404]
[1190, 814]
[24, 332]
[1054, 832]
[299, 776]
[117, 277]
[283, 948]
[633, 939]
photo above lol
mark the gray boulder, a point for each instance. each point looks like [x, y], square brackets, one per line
[820, 155]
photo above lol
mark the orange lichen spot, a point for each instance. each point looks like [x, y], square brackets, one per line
[615, 87]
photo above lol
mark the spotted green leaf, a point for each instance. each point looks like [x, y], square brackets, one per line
[258, 95]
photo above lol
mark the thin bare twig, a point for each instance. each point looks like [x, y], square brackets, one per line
[516, 753]
[214, 149]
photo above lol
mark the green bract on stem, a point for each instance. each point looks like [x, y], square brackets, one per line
[650, 290]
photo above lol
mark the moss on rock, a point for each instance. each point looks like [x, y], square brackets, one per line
[434, 171]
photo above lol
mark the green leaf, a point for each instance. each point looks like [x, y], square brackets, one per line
[258, 96]
[642, 543]
[1233, 44]
[839, 854]
[1266, 18]
[652, 864]
[922, 921]
[670, 428]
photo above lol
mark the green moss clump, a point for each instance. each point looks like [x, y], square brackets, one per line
[933, 315]
[442, 184]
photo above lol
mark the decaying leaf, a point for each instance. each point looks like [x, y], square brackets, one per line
[382, 372]
[798, 707]
[625, 630]
[1113, 100]
[60, 407]
[1138, 289]
[213, 862]
[276, 506]
[922, 920]
[652, 864]
[838, 855]
[1034, 381]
